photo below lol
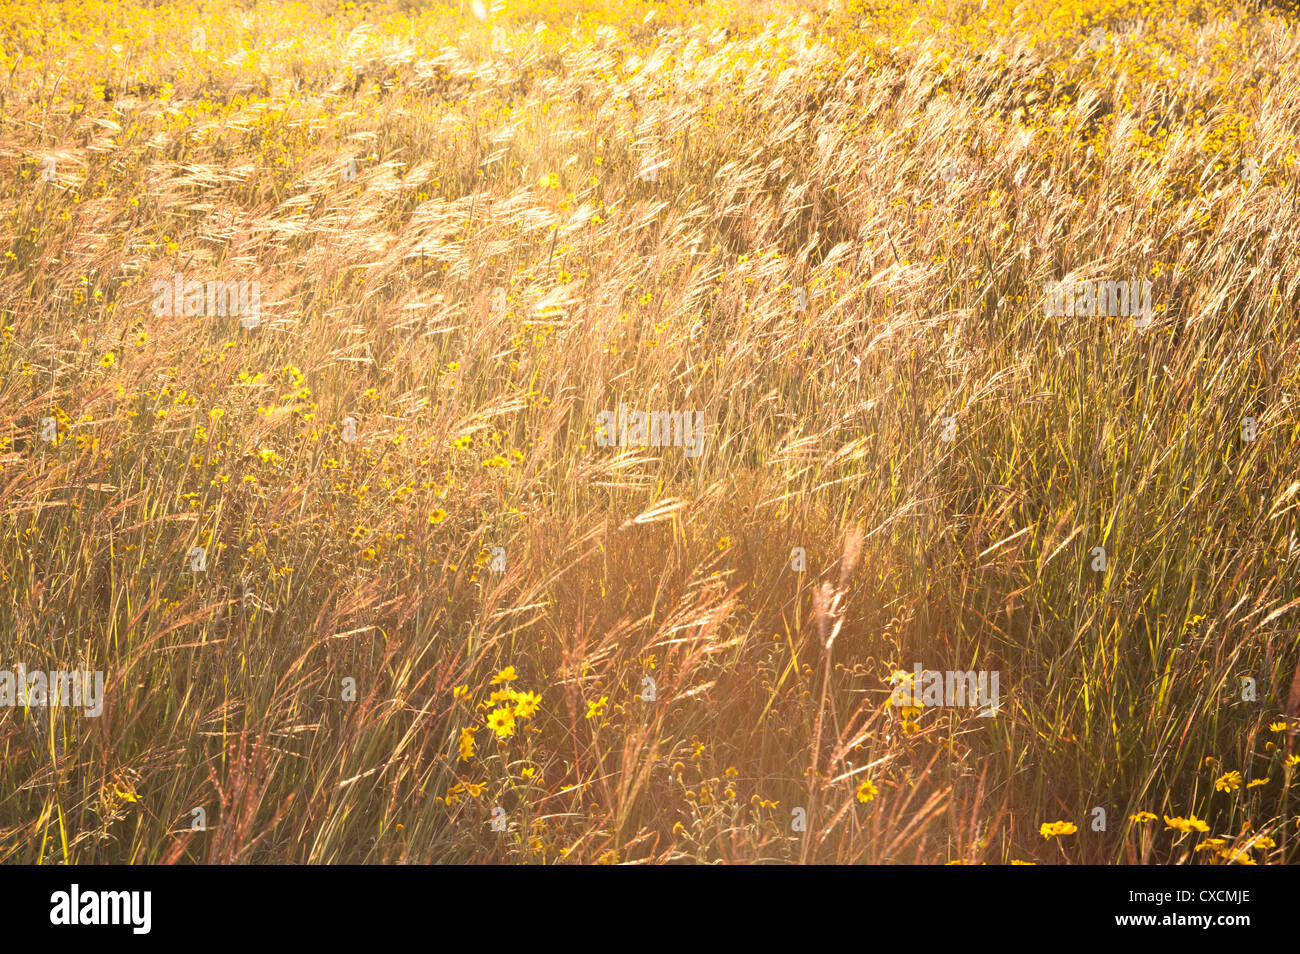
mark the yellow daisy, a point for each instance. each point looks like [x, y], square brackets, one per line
[502, 722]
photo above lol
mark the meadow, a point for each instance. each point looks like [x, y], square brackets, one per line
[564, 432]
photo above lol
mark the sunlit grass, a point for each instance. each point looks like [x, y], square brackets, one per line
[439, 621]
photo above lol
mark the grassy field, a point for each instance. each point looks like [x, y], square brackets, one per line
[370, 578]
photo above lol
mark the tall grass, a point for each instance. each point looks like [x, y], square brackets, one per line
[322, 690]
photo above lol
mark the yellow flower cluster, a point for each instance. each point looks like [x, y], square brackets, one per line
[508, 707]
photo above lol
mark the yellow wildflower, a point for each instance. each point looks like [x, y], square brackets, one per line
[1228, 783]
[527, 704]
[1185, 825]
[1052, 829]
[502, 722]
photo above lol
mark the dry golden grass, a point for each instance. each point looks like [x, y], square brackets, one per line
[828, 231]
